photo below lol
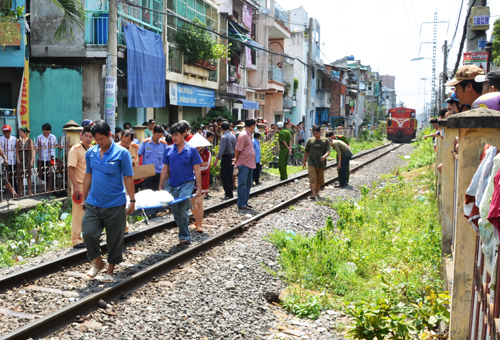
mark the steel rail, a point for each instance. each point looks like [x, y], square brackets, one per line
[57, 320]
[80, 256]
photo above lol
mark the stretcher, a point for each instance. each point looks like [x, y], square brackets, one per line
[154, 209]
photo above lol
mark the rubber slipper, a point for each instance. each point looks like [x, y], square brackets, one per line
[94, 271]
[199, 230]
[108, 279]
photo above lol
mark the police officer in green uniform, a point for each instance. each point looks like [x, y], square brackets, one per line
[285, 149]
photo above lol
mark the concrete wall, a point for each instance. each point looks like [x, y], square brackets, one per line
[45, 19]
[92, 92]
[296, 47]
[55, 98]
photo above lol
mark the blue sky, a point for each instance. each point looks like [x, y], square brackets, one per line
[387, 36]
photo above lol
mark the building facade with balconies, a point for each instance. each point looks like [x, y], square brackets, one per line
[235, 92]
[74, 87]
[201, 79]
[272, 29]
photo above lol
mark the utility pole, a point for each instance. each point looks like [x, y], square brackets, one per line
[310, 70]
[473, 43]
[111, 65]
[445, 71]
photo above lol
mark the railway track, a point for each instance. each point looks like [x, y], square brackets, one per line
[146, 258]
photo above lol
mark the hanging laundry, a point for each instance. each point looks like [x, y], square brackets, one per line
[494, 212]
[488, 234]
[477, 186]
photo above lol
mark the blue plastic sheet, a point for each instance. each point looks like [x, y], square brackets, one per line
[145, 68]
[248, 104]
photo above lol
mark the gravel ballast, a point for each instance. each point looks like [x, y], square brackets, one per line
[220, 295]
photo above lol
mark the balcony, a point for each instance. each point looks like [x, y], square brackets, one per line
[236, 89]
[274, 73]
[323, 99]
[289, 103]
[282, 16]
[96, 26]
[174, 59]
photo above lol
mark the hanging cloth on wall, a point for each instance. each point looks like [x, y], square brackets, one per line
[488, 234]
[477, 186]
[145, 67]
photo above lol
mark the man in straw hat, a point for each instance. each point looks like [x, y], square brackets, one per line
[467, 89]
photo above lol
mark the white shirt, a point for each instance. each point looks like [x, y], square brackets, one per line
[46, 144]
[8, 147]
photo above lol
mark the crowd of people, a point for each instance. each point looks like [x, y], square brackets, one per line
[19, 156]
[471, 88]
[101, 169]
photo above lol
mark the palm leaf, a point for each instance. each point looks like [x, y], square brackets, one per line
[74, 15]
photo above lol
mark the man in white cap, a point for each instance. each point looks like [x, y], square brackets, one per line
[491, 81]
[285, 147]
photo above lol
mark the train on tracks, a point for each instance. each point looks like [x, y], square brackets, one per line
[401, 124]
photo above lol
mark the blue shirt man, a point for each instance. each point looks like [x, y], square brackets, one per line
[256, 146]
[152, 150]
[109, 166]
[107, 188]
[182, 167]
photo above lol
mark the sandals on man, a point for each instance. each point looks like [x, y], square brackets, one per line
[184, 243]
[108, 279]
[94, 271]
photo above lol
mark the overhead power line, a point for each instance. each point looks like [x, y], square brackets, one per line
[175, 15]
[456, 26]
[409, 23]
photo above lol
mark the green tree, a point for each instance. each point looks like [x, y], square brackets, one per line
[496, 42]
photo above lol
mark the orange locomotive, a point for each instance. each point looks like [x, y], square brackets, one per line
[401, 124]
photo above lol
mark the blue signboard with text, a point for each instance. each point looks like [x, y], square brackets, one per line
[188, 95]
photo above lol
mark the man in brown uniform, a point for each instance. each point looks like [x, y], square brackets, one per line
[76, 170]
[127, 142]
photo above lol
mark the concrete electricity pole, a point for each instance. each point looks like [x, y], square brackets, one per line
[111, 65]
[310, 70]
[445, 72]
[473, 43]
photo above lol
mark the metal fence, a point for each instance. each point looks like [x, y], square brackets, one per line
[34, 168]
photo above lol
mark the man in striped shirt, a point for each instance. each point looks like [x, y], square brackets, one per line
[45, 144]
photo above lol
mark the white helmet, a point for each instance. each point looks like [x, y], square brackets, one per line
[279, 124]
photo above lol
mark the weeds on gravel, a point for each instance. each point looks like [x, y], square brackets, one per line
[381, 262]
[424, 153]
[32, 233]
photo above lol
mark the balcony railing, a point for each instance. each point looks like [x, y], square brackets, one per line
[212, 76]
[288, 103]
[274, 73]
[96, 27]
[174, 59]
[282, 15]
[236, 89]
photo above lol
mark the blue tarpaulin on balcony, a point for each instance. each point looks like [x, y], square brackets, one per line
[248, 104]
[145, 68]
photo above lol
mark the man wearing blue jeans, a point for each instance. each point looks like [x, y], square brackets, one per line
[181, 167]
[244, 160]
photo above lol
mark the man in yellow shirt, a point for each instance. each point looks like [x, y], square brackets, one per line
[76, 170]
